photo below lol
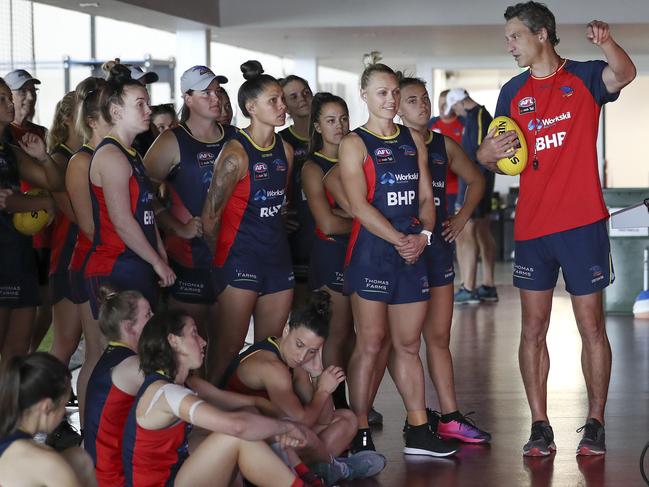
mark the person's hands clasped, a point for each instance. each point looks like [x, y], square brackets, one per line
[296, 437]
[411, 246]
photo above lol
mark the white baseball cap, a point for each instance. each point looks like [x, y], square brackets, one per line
[18, 77]
[138, 74]
[199, 78]
[455, 95]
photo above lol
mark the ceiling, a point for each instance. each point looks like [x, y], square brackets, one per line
[449, 35]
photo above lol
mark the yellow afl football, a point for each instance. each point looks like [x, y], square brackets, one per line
[31, 222]
[516, 162]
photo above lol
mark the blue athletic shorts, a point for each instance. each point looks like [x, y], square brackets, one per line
[18, 276]
[440, 262]
[193, 286]
[582, 253]
[78, 287]
[326, 267]
[60, 287]
[138, 276]
[258, 277]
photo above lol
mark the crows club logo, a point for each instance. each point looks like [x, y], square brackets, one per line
[408, 150]
[279, 165]
[567, 91]
[437, 159]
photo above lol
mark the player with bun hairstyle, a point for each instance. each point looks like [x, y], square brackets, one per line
[155, 450]
[33, 393]
[183, 158]
[127, 250]
[385, 272]
[329, 124]
[19, 294]
[444, 154]
[242, 222]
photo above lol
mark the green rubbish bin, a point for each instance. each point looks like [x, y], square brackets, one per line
[627, 248]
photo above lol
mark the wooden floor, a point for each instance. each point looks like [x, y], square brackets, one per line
[484, 346]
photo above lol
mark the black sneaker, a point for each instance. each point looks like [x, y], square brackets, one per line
[420, 440]
[433, 420]
[362, 441]
[541, 442]
[73, 402]
[63, 437]
[374, 418]
[593, 442]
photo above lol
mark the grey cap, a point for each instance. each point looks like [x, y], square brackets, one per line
[18, 77]
[138, 74]
[199, 78]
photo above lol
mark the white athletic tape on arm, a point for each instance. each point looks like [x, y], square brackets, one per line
[174, 394]
[192, 409]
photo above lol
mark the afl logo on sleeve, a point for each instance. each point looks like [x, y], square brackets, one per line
[526, 105]
[260, 171]
[205, 159]
[383, 155]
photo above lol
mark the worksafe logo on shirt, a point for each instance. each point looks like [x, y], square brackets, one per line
[526, 105]
[263, 195]
[383, 155]
[388, 178]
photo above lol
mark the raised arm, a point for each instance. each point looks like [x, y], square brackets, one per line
[620, 70]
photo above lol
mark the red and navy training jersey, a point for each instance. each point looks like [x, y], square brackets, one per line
[252, 226]
[108, 247]
[326, 164]
[231, 381]
[392, 177]
[8, 440]
[188, 183]
[83, 244]
[105, 414]
[43, 238]
[64, 232]
[153, 457]
[301, 240]
[452, 129]
[438, 166]
[559, 115]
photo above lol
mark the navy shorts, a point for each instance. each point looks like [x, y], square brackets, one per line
[582, 253]
[78, 287]
[42, 256]
[19, 286]
[440, 262]
[254, 276]
[140, 277]
[60, 287]
[193, 286]
[327, 264]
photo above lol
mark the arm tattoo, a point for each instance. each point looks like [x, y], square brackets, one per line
[223, 182]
